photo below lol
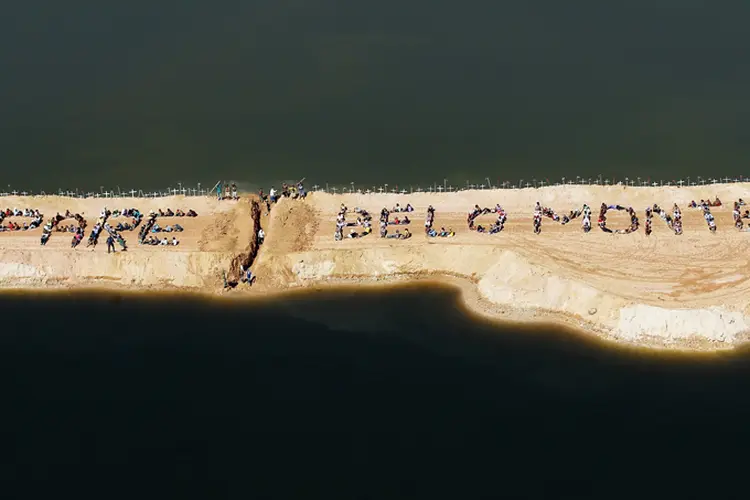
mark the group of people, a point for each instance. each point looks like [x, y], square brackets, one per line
[96, 232]
[540, 211]
[496, 227]
[709, 218]
[152, 240]
[147, 234]
[603, 219]
[737, 216]
[674, 221]
[703, 203]
[430, 231]
[65, 228]
[385, 221]
[229, 192]
[364, 220]
[35, 215]
[179, 213]
[287, 191]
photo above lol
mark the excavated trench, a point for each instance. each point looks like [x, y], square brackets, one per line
[246, 258]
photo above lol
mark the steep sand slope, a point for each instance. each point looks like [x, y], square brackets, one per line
[688, 290]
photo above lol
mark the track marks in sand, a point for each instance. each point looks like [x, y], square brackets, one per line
[218, 237]
[229, 231]
[294, 224]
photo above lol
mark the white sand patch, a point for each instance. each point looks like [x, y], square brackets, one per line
[729, 279]
[313, 270]
[17, 270]
[513, 281]
[714, 323]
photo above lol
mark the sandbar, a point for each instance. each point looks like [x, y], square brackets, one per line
[687, 291]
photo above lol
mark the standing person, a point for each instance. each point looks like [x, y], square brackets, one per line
[218, 191]
[234, 192]
[248, 278]
[261, 236]
[110, 244]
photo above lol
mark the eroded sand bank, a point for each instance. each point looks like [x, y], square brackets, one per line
[667, 290]
[662, 290]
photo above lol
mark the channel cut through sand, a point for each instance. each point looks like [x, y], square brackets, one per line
[686, 291]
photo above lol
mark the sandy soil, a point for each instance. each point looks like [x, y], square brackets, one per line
[687, 291]
[662, 290]
[206, 246]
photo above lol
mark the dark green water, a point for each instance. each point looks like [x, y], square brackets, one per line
[350, 394]
[144, 94]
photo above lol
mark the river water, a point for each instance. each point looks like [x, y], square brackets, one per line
[364, 394]
[145, 95]
[399, 394]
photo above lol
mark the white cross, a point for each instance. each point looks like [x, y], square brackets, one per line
[440, 188]
[14, 192]
[680, 182]
[315, 187]
[380, 190]
[183, 191]
[174, 192]
[481, 186]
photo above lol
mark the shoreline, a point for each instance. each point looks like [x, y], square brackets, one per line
[470, 298]
[686, 293]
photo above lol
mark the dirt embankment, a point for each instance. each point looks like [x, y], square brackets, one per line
[206, 247]
[663, 289]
